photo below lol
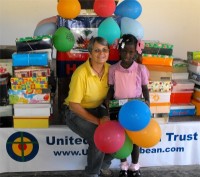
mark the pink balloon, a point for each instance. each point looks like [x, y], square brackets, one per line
[104, 8]
[109, 137]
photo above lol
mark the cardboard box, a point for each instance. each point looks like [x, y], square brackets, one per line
[179, 65]
[29, 83]
[159, 97]
[160, 86]
[193, 55]
[197, 106]
[30, 59]
[159, 108]
[6, 66]
[32, 110]
[6, 111]
[162, 60]
[182, 85]
[32, 71]
[181, 76]
[30, 122]
[160, 76]
[181, 97]
[182, 110]
[34, 43]
[34, 96]
[159, 68]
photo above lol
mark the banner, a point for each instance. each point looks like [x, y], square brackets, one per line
[58, 148]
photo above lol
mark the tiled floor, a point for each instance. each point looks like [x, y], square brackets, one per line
[174, 171]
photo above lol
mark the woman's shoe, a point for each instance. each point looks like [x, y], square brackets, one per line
[123, 173]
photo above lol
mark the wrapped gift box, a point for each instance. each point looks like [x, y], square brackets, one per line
[159, 108]
[162, 60]
[161, 118]
[182, 110]
[158, 48]
[32, 71]
[179, 65]
[6, 66]
[159, 97]
[27, 83]
[34, 96]
[193, 55]
[160, 86]
[159, 75]
[182, 85]
[194, 67]
[34, 43]
[181, 76]
[30, 122]
[183, 97]
[30, 59]
[6, 111]
[32, 110]
[197, 106]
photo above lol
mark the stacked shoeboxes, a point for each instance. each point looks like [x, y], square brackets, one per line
[6, 112]
[194, 75]
[182, 90]
[157, 57]
[30, 92]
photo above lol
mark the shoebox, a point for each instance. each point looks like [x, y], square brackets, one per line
[30, 122]
[30, 59]
[180, 76]
[158, 48]
[194, 66]
[3, 91]
[26, 83]
[6, 111]
[193, 55]
[182, 110]
[179, 65]
[121, 102]
[161, 118]
[160, 75]
[159, 97]
[159, 108]
[182, 97]
[30, 96]
[197, 106]
[196, 94]
[159, 68]
[160, 86]
[24, 44]
[194, 77]
[6, 66]
[32, 71]
[182, 85]
[162, 60]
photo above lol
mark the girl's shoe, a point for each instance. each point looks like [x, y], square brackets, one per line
[134, 173]
[123, 173]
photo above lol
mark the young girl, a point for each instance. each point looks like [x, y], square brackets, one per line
[129, 79]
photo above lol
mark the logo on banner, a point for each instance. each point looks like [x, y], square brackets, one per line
[22, 146]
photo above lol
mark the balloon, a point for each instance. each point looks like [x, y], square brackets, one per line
[68, 8]
[134, 115]
[130, 26]
[109, 137]
[148, 136]
[45, 29]
[109, 29]
[129, 8]
[104, 8]
[126, 149]
[63, 39]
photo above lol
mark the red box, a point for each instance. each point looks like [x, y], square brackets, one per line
[181, 97]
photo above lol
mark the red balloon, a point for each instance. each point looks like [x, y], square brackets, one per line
[109, 137]
[104, 8]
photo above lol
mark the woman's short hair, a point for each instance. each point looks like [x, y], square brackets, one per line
[99, 40]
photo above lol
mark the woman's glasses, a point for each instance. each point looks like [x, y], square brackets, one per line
[98, 51]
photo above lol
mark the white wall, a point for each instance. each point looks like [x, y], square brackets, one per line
[173, 21]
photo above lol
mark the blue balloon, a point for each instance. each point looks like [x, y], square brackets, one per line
[109, 30]
[134, 115]
[130, 26]
[129, 8]
[45, 29]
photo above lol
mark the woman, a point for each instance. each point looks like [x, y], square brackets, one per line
[84, 110]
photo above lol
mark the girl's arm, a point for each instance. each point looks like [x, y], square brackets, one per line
[145, 92]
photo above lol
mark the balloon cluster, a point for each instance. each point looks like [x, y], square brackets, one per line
[135, 126]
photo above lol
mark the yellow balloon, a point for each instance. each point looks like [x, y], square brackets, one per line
[68, 8]
[147, 137]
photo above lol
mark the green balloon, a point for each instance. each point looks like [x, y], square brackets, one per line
[63, 39]
[125, 150]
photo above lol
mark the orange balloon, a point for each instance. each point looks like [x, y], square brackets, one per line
[68, 8]
[147, 137]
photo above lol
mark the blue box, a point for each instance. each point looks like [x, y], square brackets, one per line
[182, 110]
[30, 59]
